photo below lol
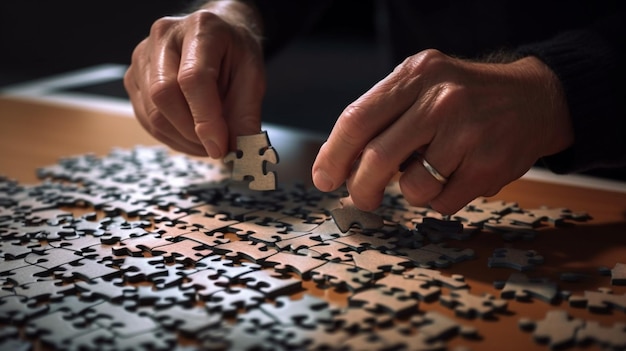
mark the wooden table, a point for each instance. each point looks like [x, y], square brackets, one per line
[34, 134]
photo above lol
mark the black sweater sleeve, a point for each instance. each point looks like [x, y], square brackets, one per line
[285, 19]
[590, 65]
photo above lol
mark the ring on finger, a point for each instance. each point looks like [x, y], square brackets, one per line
[434, 172]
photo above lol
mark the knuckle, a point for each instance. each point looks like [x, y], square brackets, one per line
[206, 22]
[161, 90]
[129, 80]
[351, 126]
[161, 26]
[156, 120]
[424, 61]
[192, 76]
[376, 154]
[139, 51]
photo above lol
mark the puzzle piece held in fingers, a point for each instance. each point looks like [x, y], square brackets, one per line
[250, 161]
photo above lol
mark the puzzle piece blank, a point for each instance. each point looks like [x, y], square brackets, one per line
[250, 160]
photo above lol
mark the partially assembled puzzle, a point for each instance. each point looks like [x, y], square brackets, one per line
[144, 250]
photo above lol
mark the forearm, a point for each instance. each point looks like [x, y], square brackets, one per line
[589, 65]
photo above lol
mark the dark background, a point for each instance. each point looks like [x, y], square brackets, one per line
[310, 81]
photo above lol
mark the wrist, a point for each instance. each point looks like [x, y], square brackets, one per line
[238, 13]
[546, 97]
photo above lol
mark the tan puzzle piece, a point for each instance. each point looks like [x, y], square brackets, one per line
[250, 161]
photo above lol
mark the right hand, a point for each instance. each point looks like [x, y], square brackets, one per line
[197, 81]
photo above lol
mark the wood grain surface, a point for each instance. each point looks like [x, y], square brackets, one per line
[35, 134]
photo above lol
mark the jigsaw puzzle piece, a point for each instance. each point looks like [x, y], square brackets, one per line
[349, 215]
[308, 311]
[250, 161]
[608, 337]
[230, 301]
[439, 327]
[618, 274]
[271, 283]
[455, 281]
[521, 260]
[190, 321]
[557, 329]
[523, 288]
[285, 261]
[16, 310]
[422, 289]
[236, 250]
[601, 301]
[377, 262]
[341, 276]
[396, 303]
[468, 305]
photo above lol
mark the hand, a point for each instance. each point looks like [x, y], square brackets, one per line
[481, 125]
[197, 81]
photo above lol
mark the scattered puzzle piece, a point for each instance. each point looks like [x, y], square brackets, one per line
[558, 329]
[600, 301]
[521, 260]
[522, 288]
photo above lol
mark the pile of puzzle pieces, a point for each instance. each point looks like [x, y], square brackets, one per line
[143, 250]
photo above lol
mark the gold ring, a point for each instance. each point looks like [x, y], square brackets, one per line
[440, 178]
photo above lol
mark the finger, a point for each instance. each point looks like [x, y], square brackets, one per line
[158, 126]
[444, 154]
[418, 185]
[164, 90]
[203, 62]
[385, 154]
[482, 172]
[244, 99]
[358, 124]
[467, 183]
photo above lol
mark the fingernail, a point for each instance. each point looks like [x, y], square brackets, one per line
[322, 181]
[212, 149]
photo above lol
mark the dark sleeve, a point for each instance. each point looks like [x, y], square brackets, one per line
[590, 65]
[285, 19]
